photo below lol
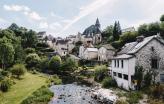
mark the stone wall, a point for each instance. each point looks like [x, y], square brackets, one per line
[154, 49]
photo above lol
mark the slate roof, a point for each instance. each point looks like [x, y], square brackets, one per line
[92, 49]
[134, 47]
[108, 47]
[123, 56]
[62, 41]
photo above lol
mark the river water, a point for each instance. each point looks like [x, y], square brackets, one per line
[71, 94]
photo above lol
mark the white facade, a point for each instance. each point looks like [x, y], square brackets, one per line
[122, 71]
[62, 49]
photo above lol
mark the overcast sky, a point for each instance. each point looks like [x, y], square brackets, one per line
[66, 17]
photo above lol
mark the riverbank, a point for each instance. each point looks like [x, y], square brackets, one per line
[23, 88]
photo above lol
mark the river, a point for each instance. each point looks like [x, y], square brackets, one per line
[72, 94]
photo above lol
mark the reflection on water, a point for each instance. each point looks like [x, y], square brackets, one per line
[71, 94]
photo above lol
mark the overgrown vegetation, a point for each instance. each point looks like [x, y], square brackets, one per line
[40, 96]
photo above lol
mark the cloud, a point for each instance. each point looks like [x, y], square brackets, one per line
[86, 10]
[55, 25]
[56, 16]
[43, 25]
[25, 10]
[16, 8]
[2, 20]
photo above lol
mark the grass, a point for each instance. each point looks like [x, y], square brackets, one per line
[23, 88]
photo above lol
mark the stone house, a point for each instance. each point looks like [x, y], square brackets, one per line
[61, 47]
[105, 53]
[90, 54]
[146, 52]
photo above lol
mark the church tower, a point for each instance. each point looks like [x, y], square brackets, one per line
[97, 23]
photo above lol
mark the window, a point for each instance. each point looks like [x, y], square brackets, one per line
[162, 77]
[125, 77]
[122, 64]
[119, 75]
[118, 63]
[154, 63]
[114, 73]
[115, 63]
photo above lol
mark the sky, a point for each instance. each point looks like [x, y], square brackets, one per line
[68, 17]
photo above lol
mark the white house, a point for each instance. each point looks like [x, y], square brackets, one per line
[146, 52]
[105, 52]
[90, 54]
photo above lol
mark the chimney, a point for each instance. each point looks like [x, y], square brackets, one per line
[140, 38]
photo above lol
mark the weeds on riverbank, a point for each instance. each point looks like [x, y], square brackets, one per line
[40, 96]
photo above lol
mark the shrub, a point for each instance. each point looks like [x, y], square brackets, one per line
[5, 73]
[100, 72]
[121, 102]
[54, 63]
[32, 60]
[5, 85]
[54, 80]
[40, 96]
[109, 82]
[70, 65]
[18, 70]
[44, 45]
[134, 97]
[29, 50]
[44, 64]
[157, 91]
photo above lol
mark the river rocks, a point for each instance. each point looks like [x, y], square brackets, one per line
[104, 96]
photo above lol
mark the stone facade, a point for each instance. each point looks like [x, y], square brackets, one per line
[154, 49]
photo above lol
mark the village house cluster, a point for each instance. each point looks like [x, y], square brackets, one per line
[147, 52]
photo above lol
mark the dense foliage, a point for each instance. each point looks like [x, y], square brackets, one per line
[100, 72]
[32, 60]
[18, 70]
[55, 63]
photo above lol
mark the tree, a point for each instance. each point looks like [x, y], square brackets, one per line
[116, 31]
[18, 70]
[13, 27]
[162, 18]
[138, 75]
[29, 50]
[108, 33]
[143, 30]
[29, 39]
[128, 37]
[54, 63]
[70, 64]
[32, 60]
[153, 28]
[6, 52]
[162, 29]
[147, 79]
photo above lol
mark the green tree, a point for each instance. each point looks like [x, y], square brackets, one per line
[116, 31]
[153, 28]
[29, 50]
[162, 18]
[162, 29]
[70, 64]
[6, 52]
[29, 39]
[54, 63]
[18, 70]
[143, 30]
[128, 37]
[108, 33]
[138, 75]
[32, 60]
